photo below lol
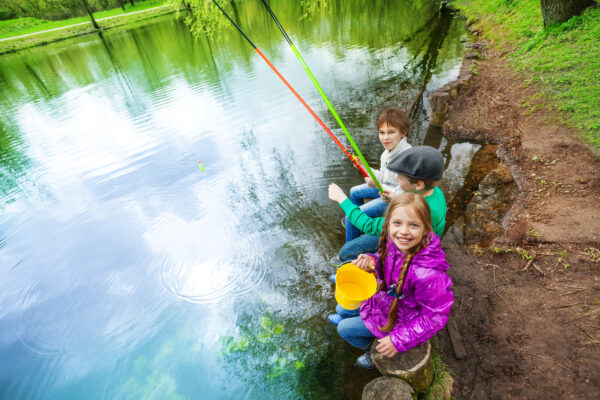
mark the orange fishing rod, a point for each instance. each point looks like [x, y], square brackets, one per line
[352, 158]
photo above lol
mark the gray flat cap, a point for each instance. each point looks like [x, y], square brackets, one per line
[420, 162]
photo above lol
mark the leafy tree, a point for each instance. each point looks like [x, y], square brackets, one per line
[557, 11]
[204, 17]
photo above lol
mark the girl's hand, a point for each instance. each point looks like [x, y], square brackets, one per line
[336, 193]
[365, 263]
[370, 182]
[386, 347]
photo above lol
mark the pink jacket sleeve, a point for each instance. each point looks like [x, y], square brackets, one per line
[433, 295]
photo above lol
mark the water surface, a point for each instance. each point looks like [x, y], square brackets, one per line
[127, 272]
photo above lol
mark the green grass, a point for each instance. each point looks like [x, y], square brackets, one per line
[23, 26]
[564, 59]
[441, 387]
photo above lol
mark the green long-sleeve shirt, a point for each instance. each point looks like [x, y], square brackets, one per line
[373, 226]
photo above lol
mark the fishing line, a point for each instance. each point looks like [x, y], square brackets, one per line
[335, 139]
[322, 93]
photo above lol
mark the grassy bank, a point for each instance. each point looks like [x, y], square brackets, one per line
[116, 17]
[563, 59]
[23, 26]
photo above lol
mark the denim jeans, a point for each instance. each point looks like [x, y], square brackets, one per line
[352, 329]
[374, 208]
[362, 244]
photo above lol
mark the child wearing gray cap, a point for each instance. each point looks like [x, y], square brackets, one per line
[419, 170]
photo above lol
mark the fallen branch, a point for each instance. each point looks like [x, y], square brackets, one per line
[529, 262]
[587, 314]
[538, 269]
[456, 339]
[571, 305]
[574, 291]
[547, 358]
[588, 335]
[543, 253]
[491, 265]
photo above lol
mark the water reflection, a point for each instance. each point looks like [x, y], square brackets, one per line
[128, 272]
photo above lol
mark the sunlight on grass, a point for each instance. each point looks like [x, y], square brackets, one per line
[23, 26]
[563, 58]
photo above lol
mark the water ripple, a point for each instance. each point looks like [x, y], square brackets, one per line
[215, 280]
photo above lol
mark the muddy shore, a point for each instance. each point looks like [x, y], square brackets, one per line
[526, 319]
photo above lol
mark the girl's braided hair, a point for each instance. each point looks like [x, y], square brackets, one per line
[421, 210]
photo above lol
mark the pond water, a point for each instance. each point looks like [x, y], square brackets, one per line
[129, 273]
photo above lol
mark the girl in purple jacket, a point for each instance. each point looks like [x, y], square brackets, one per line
[414, 298]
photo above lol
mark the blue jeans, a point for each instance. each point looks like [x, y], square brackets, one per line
[374, 208]
[362, 244]
[352, 329]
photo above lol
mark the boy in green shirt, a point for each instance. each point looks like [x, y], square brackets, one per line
[419, 170]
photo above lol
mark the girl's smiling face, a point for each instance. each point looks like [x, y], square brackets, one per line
[405, 228]
[390, 136]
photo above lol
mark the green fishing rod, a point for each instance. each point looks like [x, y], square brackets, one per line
[333, 137]
[322, 93]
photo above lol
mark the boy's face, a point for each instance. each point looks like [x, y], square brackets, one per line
[407, 185]
[390, 136]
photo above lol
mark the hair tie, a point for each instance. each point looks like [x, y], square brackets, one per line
[392, 292]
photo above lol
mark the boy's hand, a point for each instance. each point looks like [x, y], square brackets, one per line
[386, 347]
[359, 162]
[364, 262]
[370, 182]
[386, 195]
[336, 193]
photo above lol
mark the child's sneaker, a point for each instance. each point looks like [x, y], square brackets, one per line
[336, 261]
[365, 361]
[334, 318]
[332, 278]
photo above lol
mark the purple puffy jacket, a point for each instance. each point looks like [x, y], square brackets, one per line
[427, 298]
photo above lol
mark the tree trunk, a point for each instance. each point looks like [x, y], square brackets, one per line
[413, 366]
[562, 10]
[122, 4]
[132, 3]
[387, 388]
[86, 5]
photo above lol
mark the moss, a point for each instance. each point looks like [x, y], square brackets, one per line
[564, 59]
[441, 388]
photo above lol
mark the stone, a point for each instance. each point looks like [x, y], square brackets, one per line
[484, 215]
[437, 103]
[413, 366]
[453, 92]
[387, 388]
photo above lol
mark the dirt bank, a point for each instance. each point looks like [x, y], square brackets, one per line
[527, 309]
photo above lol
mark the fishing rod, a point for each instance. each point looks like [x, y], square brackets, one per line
[322, 93]
[335, 139]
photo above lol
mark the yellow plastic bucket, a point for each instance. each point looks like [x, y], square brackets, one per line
[353, 286]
